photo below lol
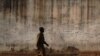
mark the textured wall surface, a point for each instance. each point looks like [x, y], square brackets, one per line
[66, 22]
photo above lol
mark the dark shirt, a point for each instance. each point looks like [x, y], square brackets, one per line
[41, 40]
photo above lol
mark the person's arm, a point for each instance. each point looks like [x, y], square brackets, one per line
[45, 41]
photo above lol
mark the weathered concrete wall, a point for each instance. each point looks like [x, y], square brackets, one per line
[66, 22]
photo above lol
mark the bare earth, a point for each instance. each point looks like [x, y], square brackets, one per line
[85, 53]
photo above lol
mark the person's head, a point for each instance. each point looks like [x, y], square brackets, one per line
[41, 29]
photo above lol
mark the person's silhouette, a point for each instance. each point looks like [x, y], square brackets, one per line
[41, 41]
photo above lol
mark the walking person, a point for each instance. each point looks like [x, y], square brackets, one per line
[41, 41]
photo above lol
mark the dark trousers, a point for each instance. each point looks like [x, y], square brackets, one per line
[42, 49]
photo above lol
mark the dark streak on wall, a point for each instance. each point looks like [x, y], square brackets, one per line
[14, 6]
[19, 9]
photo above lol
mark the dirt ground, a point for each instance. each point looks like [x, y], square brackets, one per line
[53, 54]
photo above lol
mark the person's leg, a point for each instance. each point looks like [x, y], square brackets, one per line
[43, 51]
[39, 51]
